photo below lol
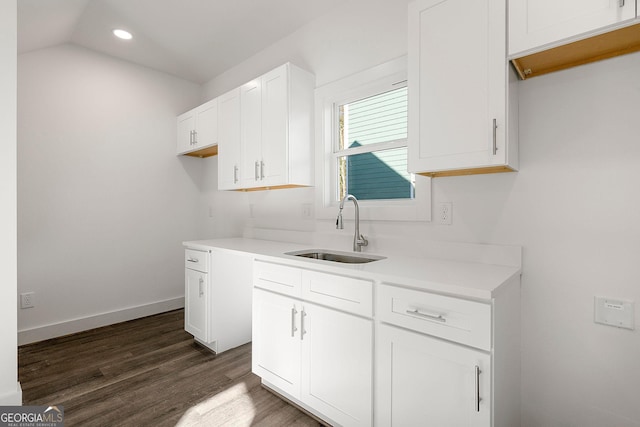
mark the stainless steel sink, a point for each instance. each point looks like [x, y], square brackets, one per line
[336, 256]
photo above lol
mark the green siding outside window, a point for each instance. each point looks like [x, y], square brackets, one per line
[375, 130]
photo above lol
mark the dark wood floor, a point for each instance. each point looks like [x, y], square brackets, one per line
[148, 372]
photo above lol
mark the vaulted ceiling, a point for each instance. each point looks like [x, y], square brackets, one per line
[193, 39]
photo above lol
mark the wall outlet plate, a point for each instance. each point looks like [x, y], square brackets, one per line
[27, 300]
[444, 215]
[614, 312]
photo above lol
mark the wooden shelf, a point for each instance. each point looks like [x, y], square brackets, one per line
[205, 152]
[473, 171]
[615, 43]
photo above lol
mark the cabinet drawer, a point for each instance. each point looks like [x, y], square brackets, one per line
[196, 260]
[277, 278]
[458, 320]
[344, 293]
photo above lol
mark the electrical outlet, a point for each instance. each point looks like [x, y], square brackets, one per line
[27, 300]
[306, 210]
[445, 213]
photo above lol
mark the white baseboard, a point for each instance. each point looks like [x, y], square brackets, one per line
[40, 333]
[13, 398]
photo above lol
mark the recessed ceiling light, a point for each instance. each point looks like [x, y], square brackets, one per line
[122, 34]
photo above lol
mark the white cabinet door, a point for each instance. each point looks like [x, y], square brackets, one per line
[426, 381]
[275, 125]
[276, 340]
[198, 128]
[534, 24]
[206, 131]
[186, 123]
[229, 151]
[251, 133]
[195, 301]
[458, 84]
[337, 353]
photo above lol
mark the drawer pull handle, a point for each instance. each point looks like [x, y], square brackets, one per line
[495, 136]
[436, 317]
[193, 260]
[293, 321]
[478, 398]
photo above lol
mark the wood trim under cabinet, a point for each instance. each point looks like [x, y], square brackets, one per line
[274, 187]
[608, 45]
[462, 172]
[205, 152]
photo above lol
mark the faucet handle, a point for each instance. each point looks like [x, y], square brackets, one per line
[362, 241]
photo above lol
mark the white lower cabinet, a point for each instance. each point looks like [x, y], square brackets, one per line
[447, 361]
[195, 307]
[218, 297]
[319, 357]
[440, 360]
[276, 340]
[196, 293]
[426, 381]
[337, 364]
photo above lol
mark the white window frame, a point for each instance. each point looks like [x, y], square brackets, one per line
[370, 82]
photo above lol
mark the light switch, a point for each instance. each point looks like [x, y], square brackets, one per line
[614, 312]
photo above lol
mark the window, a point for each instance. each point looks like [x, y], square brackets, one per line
[370, 153]
[361, 130]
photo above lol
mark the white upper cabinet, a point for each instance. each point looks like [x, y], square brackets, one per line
[186, 125]
[229, 138]
[275, 128]
[250, 133]
[461, 117]
[546, 23]
[275, 133]
[198, 130]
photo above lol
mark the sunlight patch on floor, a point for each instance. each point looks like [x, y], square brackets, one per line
[233, 406]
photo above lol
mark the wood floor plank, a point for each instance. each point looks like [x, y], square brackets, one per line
[149, 372]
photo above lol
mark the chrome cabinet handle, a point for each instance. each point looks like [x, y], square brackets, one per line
[302, 331]
[478, 398]
[293, 321]
[201, 288]
[192, 259]
[255, 170]
[261, 170]
[235, 174]
[190, 137]
[195, 137]
[621, 3]
[495, 136]
[430, 316]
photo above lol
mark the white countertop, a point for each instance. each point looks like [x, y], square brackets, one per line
[473, 280]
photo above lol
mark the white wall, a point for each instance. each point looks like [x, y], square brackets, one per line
[351, 38]
[104, 203]
[9, 388]
[574, 207]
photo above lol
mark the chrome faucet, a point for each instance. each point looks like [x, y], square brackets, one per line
[358, 239]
